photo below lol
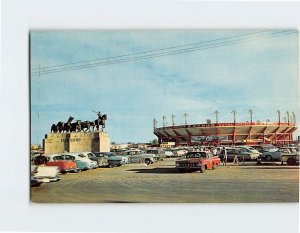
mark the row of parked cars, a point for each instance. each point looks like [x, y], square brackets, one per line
[285, 155]
[81, 161]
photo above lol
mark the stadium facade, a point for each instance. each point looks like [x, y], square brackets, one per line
[249, 133]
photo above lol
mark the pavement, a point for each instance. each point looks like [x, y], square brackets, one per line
[162, 183]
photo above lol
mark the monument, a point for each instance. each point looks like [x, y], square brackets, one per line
[79, 136]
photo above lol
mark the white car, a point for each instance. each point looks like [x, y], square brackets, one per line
[169, 154]
[83, 156]
[137, 156]
[45, 174]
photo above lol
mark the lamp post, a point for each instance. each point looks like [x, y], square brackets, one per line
[154, 123]
[217, 116]
[278, 112]
[294, 117]
[173, 119]
[185, 116]
[251, 113]
[234, 112]
[288, 116]
[164, 118]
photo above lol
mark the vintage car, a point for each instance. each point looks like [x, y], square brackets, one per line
[137, 156]
[290, 155]
[287, 155]
[34, 182]
[63, 164]
[99, 158]
[169, 154]
[248, 149]
[197, 160]
[179, 152]
[44, 174]
[242, 154]
[159, 153]
[113, 160]
[82, 156]
[81, 166]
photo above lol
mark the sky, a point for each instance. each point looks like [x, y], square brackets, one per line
[231, 70]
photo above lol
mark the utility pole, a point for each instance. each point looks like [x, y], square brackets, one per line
[164, 118]
[39, 104]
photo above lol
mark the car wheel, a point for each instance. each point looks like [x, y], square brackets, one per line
[202, 169]
[268, 158]
[214, 166]
[147, 161]
[291, 161]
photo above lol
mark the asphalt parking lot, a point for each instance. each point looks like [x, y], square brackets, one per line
[161, 183]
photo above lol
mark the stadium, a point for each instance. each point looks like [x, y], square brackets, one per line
[247, 133]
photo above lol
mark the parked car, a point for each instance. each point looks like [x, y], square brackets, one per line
[137, 156]
[82, 156]
[99, 158]
[270, 156]
[45, 174]
[291, 158]
[249, 149]
[63, 164]
[288, 155]
[113, 160]
[169, 154]
[197, 160]
[159, 153]
[241, 153]
[179, 152]
[34, 182]
[81, 165]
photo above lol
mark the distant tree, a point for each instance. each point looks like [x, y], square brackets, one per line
[154, 141]
[113, 143]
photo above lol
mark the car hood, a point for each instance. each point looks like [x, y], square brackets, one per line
[47, 171]
[189, 160]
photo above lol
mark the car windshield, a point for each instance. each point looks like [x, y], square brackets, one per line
[91, 155]
[57, 158]
[69, 157]
[196, 155]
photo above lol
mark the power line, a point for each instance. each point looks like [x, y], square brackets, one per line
[225, 43]
[157, 55]
[150, 51]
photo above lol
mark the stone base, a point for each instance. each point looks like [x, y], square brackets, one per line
[76, 142]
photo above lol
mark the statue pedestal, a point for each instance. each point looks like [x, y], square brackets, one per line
[76, 142]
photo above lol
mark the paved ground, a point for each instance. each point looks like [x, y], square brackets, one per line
[161, 183]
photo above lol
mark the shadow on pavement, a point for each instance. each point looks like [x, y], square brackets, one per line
[158, 170]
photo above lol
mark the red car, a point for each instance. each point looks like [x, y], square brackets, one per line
[198, 160]
[64, 165]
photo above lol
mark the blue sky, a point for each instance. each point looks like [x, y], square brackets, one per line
[262, 75]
